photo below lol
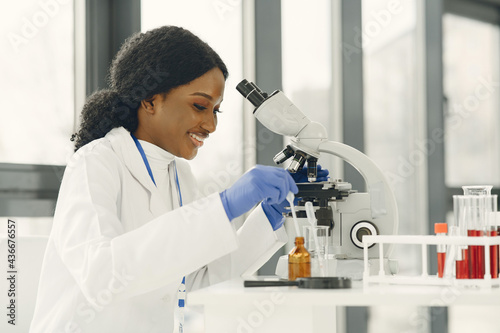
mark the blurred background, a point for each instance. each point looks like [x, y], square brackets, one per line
[414, 84]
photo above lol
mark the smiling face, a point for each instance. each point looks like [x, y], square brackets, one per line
[181, 120]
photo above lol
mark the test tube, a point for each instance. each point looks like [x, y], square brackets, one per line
[473, 229]
[478, 205]
[453, 253]
[441, 229]
[496, 221]
[476, 229]
[462, 253]
[491, 214]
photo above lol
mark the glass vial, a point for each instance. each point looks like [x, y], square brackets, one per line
[299, 261]
[462, 251]
[479, 205]
[492, 231]
[441, 229]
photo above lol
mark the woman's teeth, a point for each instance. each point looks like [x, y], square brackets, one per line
[198, 141]
[196, 137]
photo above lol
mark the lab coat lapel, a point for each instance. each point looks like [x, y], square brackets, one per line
[125, 147]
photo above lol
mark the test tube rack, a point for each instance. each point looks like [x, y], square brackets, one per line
[424, 278]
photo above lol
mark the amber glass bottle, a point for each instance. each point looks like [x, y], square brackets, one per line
[299, 261]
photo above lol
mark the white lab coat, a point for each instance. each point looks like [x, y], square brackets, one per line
[116, 255]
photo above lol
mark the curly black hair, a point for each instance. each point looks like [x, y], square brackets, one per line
[147, 64]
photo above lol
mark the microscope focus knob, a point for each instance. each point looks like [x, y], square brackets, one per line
[361, 229]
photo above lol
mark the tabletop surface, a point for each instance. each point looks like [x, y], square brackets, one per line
[233, 292]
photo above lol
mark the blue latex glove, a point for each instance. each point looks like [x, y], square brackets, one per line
[274, 212]
[261, 183]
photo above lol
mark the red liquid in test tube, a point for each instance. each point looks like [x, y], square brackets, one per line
[478, 209]
[493, 256]
[462, 266]
[441, 256]
[498, 252]
[441, 229]
[476, 257]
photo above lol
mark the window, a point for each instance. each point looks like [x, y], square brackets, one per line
[472, 118]
[307, 61]
[37, 81]
[219, 23]
[394, 130]
[391, 115]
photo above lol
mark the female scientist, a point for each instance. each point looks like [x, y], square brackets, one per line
[130, 231]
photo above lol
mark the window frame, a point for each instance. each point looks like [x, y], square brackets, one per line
[30, 190]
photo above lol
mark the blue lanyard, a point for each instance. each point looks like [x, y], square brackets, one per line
[145, 159]
[178, 186]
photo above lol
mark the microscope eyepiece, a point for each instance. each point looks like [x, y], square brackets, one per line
[250, 91]
[244, 87]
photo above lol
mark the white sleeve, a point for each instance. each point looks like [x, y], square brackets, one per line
[92, 244]
[257, 242]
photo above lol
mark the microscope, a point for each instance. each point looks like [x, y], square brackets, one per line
[349, 214]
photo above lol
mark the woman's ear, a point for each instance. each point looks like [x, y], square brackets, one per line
[148, 104]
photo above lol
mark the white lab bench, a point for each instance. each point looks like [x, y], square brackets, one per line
[230, 307]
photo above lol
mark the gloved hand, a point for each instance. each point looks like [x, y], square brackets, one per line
[274, 212]
[261, 183]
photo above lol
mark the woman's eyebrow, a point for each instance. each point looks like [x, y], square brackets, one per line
[202, 94]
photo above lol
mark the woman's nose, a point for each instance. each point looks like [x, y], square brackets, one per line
[209, 122]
